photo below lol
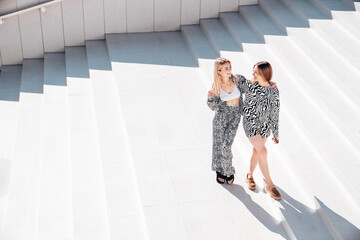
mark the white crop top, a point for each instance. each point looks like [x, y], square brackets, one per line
[229, 96]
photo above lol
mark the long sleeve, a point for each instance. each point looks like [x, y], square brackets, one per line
[213, 102]
[242, 83]
[274, 112]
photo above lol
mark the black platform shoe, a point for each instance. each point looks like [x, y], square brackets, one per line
[228, 179]
[219, 175]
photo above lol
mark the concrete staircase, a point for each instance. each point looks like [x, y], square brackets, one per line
[113, 140]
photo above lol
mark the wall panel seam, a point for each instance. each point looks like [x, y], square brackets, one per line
[200, 10]
[103, 1]
[126, 17]
[42, 31]
[62, 18]
[83, 15]
[180, 11]
[21, 45]
[219, 8]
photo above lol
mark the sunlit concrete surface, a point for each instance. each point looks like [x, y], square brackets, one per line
[113, 139]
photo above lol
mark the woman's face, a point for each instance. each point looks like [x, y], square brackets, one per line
[256, 74]
[225, 71]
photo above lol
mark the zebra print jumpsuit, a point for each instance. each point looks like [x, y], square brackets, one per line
[225, 124]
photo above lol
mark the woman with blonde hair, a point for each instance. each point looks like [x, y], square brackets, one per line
[260, 117]
[225, 99]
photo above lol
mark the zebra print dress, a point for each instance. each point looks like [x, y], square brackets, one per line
[260, 110]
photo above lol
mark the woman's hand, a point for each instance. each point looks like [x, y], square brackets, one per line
[210, 93]
[272, 84]
[276, 140]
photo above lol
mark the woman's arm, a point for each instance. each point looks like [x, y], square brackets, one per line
[274, 114]
[213, 101]
[242, 83]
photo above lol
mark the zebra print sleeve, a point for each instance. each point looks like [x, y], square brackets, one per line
[213, 102]
[242, 83]
[274, 112]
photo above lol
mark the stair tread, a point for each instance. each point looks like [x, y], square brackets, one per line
[258, 52]
[335, 5]
[10, 80]
[249, 209]
[332, 33]
[90, 217]
[55, 223]
[113, 140]
[197, 39]
[23, 199]
[315, 45]
[348, 19]
[288, 186]
[310, 71]
[221, 38]
[307, 9]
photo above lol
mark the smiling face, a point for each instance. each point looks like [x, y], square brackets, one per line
[262, 72]
[257, 76]
[225, 71]
[222, 74]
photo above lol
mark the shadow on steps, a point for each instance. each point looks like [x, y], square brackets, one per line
[263, 216]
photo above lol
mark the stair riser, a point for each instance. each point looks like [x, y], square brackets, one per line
[312, 22]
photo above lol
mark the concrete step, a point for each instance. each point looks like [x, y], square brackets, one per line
[10, 80]
[226, 46]
[140, 62]
[255, 205]
[344, 16]
[320, 53]
[279, 41]
[330, 6]
[22, 217]
[290, 54]
[55, 214]
[290, 220]
[327, 207]
[90, 217]
[201, 48]
[116, 159]
[353, 4]
[297, 209]
[113, 140]
[304, 159]
[330, 31]
[357, 5]
[347, 145]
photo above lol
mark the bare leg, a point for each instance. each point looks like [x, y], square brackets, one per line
[261, 156]
[253, 162]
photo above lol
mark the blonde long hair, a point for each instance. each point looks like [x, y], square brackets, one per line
[218, 64]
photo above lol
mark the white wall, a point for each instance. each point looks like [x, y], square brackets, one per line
[167, 15]
[248, 2]
[71, 22]
[52, 29]
[10, 42]
[115, 16]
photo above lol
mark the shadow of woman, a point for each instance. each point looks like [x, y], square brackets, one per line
[306, 223]
[263, 216]
[345, 228]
